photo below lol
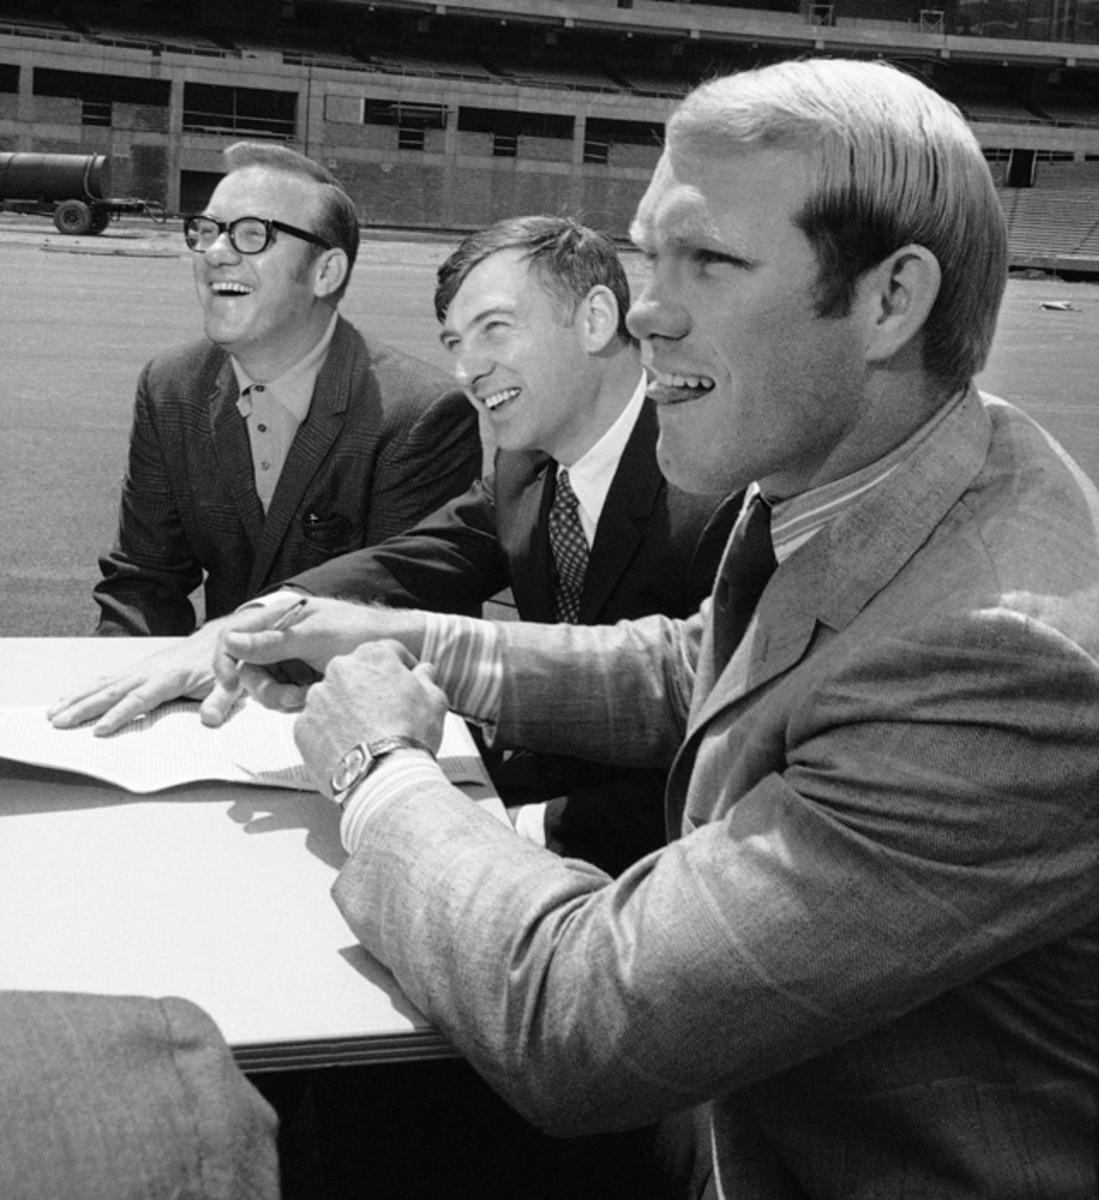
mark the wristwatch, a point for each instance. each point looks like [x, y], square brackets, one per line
[362, 758]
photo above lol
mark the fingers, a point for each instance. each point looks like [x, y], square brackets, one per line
[62, 706]
[121, 700]
[218, 704]
[226, 669]
[424, 673]
[266, 646]
[283, 697]
[136, 704]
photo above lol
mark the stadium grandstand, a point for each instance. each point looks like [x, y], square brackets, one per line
[447, 116]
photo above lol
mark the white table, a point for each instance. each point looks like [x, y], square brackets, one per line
[215, 892]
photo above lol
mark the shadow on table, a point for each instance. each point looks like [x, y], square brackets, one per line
[268, 810]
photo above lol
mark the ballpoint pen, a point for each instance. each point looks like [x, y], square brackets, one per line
[291, 615]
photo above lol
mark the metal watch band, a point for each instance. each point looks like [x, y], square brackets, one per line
[363, 757]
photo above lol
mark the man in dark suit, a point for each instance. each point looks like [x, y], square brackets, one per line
[285, 436]
[532, 311]
[126, 1098]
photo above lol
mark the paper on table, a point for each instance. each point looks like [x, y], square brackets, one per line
[171, 746]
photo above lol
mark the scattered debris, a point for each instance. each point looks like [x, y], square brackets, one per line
[1059, 305]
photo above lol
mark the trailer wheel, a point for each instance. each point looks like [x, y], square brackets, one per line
[101, 218]
[72, 216]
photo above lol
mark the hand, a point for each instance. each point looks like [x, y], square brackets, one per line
[183, 669]
[378, 691]
[279, 666]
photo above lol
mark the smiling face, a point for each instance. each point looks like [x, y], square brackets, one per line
[519, 360]
[266, 309]
[749, 382]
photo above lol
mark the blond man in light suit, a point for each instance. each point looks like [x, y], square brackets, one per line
[871, 950]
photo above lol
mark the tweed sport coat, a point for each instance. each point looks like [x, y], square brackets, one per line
[124, 1098]
[656, 549]
[387, 439]
[873, 947]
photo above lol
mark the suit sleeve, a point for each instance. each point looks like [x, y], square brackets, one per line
[930, 816]
[122, 1098]
[151, 570]
[450, 562]
[432, 454]
[613, 815]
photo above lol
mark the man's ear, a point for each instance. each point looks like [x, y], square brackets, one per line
[898, 294]
[329, 272]
[598, 317]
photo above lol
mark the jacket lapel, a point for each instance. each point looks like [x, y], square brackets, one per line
[633, 493]
[532, 565]
[311, 445]
[831, 579]
[229, 437]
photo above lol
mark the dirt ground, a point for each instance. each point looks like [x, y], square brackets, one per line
[81, 316]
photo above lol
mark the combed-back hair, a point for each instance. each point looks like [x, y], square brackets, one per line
[893, 164]
[569, 258]
[336, 221]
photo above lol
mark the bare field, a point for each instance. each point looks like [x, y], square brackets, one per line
[81, 316]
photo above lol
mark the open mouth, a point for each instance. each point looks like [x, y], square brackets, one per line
[498, 399]
[228, 287]
[666, 387]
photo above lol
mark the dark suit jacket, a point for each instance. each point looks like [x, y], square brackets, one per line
[656, 550]
[126, 1098]
[387, 439]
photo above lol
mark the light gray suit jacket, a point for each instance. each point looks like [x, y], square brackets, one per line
[874, 947]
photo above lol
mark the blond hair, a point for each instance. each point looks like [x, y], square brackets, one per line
[894, 164]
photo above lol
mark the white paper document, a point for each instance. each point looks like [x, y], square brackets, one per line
[171, 746]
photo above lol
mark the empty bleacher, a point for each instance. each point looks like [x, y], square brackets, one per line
[1055, 225]
[1070, 112]
[549, 75]
[451, 65]
[649, 83]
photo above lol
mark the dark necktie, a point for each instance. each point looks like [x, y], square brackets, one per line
[748, 565]
[570, 549]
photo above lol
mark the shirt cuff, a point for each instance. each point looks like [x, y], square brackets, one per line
[465, 652]
[399, 773]
[530, 823]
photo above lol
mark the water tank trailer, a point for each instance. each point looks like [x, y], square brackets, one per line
[73, 189]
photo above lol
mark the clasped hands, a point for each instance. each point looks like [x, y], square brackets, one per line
[367, 688]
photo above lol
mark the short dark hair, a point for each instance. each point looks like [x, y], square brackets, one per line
[569, 257]
[337, 220]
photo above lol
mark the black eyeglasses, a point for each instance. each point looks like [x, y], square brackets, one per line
[247, 235]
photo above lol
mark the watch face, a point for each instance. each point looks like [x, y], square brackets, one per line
[349, 769]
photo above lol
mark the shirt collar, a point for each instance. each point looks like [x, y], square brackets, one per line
[796, 520]
[593, 471]
[293, 389]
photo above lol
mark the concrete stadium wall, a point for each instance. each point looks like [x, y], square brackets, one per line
[459, 179]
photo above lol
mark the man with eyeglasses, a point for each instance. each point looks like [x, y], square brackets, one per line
[284, 437]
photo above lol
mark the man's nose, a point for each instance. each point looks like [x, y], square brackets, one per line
[657, 312]
[469, 367]
[221, 249]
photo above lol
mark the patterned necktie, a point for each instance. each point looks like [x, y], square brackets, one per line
[748, 565]
[570, 549]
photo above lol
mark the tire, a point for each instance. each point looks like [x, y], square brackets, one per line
[101, 218]
[72, 216]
